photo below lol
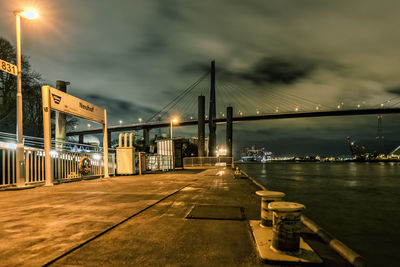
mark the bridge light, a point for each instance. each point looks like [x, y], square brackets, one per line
[120, 122]
[240, 113]
[140, 120]
[88, 125]
[296, 109]
[191, 118]
[276, 109]
[317, 108]
[75, 126]
[258, 112]
[223, 115]
[382, 105]
[358, 106]
[338, 106]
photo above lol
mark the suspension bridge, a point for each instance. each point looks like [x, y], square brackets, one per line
[238, 104]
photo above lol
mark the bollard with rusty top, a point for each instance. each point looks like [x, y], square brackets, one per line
[266, 198]
[286, 225]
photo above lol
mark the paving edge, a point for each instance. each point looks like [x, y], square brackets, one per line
[339, 247]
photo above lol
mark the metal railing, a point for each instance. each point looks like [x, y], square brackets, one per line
[207, 161]
[65, 165]
[7, 166]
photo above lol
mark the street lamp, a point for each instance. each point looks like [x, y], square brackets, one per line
[174, 120]
[20, 177]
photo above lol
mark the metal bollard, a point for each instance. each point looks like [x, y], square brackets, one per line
[286, 225]
[266, 198]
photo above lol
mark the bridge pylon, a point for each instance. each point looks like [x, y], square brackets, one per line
[201, 126]
[212, 115]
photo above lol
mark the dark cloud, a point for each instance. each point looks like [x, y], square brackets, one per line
[134, 57]
[394, 90]
[276, 70]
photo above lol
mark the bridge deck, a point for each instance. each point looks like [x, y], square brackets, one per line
[272, 116]
[135, 220]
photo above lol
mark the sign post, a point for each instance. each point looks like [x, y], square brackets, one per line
[66, 103]
[48, 172]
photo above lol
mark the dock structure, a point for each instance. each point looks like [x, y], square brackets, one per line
[196, 217]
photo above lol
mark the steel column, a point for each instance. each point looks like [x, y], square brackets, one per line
[212, 114]
[201, 133]
[146, 137]
[229, 131]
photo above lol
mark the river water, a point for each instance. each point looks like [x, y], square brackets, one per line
[359, 203]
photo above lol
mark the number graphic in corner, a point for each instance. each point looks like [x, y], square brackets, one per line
[8, 67]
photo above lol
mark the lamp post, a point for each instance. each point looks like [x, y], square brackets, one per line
[20, 173]
[174, 120]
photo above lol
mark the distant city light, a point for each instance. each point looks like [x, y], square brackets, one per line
[140, 119]
[120, 121]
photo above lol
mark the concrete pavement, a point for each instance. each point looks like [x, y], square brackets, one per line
[134, 221]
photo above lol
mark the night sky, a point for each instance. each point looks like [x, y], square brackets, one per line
[133, 57]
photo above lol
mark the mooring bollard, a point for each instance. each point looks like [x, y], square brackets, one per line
[266, 198]
[286, 225]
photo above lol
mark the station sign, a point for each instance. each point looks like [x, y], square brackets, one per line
[8, 67]
[69, 104]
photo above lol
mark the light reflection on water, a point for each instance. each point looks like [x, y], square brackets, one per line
[359, 203]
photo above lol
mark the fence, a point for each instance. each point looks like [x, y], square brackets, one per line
[7, 164]
[65, 165]
[207, 161]
[154, 162]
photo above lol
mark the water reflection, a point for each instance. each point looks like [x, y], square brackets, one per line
[347, 199]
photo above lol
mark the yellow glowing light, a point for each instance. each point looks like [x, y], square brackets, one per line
[29, 14]
[174, 120]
